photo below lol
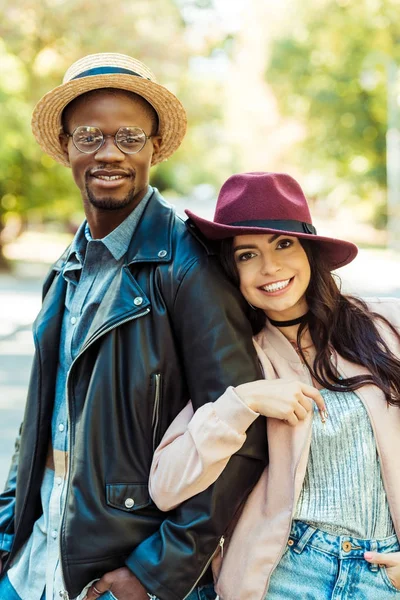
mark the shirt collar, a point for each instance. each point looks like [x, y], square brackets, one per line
[78, 246]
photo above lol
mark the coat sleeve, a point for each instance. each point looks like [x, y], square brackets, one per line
[197, 447]
[217, 354]
[7, 503]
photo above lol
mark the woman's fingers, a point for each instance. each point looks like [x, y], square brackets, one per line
[300, 412]
[313, 393]
[292, 419]
[304, 404]
[388, 560]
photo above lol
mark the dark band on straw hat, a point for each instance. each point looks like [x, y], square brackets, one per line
[282, 225]
[107, 71]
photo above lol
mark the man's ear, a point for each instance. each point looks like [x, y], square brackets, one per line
[156, 140]
[64, 139]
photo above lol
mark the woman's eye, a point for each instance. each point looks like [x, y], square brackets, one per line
[245, 256]
[284, 244]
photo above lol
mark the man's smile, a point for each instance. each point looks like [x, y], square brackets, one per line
[108, 178]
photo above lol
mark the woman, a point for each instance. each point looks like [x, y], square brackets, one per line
[324, 519]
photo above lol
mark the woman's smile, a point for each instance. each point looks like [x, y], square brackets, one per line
[277, 287]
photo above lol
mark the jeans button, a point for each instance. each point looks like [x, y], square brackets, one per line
[346, 546]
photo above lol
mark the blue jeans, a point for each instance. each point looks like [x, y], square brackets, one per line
[320, 566]
[205, 592]
[7, 591]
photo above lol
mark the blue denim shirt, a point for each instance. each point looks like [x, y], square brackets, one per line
[90, 268]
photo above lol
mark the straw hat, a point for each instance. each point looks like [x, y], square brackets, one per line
[108, 70]
[269, 203]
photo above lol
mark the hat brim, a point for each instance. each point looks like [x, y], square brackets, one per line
[338, 253]
[46, 118]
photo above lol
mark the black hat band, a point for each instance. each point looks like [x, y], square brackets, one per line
[280, 224]
[108, 70]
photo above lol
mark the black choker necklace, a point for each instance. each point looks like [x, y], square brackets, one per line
[289, 323]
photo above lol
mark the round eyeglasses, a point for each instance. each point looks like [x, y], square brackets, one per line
[129, 140]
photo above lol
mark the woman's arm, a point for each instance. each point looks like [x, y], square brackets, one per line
[197, 447]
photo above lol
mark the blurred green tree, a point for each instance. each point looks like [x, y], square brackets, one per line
[330, 72]
[39, 39]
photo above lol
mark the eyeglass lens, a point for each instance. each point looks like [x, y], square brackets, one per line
[128, 139]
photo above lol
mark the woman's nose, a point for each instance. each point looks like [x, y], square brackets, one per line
[270, 266]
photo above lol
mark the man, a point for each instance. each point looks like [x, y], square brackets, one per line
[136, 319]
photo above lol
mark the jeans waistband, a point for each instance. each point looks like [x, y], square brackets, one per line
[341, 546]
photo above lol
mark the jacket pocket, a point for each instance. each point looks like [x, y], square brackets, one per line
[127, 496]
[156, 416]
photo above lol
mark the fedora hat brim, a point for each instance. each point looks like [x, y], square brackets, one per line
[46, 118]
[338, 253]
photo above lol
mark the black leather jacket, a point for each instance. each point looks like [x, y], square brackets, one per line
[170, 328]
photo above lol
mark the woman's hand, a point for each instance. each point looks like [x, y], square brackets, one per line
[289, 401]
[391, 561]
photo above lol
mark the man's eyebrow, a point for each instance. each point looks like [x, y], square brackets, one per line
[251, 246]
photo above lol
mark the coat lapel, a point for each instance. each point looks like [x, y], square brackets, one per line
[385, 422]
[124, 300]
[288, 446]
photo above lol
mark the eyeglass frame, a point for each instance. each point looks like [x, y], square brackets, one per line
[71, 135]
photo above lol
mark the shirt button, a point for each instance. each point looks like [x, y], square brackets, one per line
[129, 502]
[73, 320]
[162, 253]
[54, 534]
[58, 480]
[61, 427]
[138, 301]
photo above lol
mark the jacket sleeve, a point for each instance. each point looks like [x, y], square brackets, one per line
[7, 503]
[197, 447]
[216, 354]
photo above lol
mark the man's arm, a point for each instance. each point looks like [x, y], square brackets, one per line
[217, 350]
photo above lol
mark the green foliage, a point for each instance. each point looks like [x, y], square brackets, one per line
[39, 39]
[330, 72]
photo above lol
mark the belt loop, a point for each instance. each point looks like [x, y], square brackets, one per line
[374, 547]
[301, 544]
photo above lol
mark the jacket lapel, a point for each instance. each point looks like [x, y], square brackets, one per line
[124, 300]
[288, 446]
[151, 242]
[385, 422]
[47, 325]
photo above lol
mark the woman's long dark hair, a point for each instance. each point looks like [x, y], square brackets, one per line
[336, 322]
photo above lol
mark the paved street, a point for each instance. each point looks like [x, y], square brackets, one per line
[374, 273]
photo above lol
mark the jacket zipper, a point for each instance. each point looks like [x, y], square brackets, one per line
[67, 483]
[221, 546]
[156, 409]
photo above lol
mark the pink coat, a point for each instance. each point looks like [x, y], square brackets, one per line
[196, 448]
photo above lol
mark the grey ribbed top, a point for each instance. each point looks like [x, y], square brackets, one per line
[343, 490]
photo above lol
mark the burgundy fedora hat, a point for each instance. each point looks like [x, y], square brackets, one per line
[269, 203]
